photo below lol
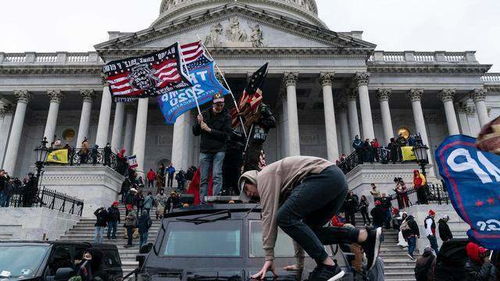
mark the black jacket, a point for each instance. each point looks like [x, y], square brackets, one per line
[113, 214]
[378, 215]
[444, 230]
[102, 217]
[215, 141]
[414, 230]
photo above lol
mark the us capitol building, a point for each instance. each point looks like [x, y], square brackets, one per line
[324, 86]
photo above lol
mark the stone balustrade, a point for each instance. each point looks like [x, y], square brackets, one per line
[308, 5]
[491, 78]
[49, 58]
[412, 57]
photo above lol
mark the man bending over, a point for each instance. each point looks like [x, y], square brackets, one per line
[301, 194]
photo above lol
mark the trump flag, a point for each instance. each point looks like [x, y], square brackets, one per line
[472, 178]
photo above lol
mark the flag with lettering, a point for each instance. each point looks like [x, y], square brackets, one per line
[202, 76]
[472, 178]
[147, 76]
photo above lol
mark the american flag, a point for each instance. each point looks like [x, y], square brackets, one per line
[145, 76]
[251, 98]
[192, 51]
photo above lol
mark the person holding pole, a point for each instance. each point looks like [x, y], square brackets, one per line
[214, 126]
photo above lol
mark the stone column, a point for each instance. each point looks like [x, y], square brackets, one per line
[446, 96]
[9, 164]
[462, 111]
[293, 118]
[284, 123]
[418, 115]
[179, 152]
[83, 129]
[104, 115]
[8, 115]
[383, 96]
[332, 146]
[116, 138]
[50, 127]
[479, 97]
[344, 129]
[353, 113]
[361, 79]
[140, 134]
[129, 130]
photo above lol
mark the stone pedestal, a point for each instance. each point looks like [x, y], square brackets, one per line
[97, 186]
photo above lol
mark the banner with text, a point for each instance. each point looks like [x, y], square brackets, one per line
[205, 85]
[472, 178]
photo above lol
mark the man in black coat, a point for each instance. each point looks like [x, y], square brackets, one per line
[351, 206]
[113, 220]
[444, 229]
[411, 234]
[214, 126]
[378, 214]
[101, 222]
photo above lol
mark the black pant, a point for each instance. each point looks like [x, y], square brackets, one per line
[350, 217]
[130, 234]
[365, 215]
[422, 195]
[170, 180]
[310, 206]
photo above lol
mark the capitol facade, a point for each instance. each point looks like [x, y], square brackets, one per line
[324, 86]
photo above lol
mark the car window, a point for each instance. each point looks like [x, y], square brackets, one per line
[21, 261]
[284, 244]
[111, 258]
[214, 239]
[61, 257]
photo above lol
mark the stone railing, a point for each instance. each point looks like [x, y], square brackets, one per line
[491, 78]
[49, 58]
[412, 57]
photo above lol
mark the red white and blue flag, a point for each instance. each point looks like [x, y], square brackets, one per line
[149, 75]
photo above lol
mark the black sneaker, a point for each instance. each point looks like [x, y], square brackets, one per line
[372, 246]
[326, 273]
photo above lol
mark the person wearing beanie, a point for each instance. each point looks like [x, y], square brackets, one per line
[378, 214]
[424, 267]
[430, 230]
[300, 194]
[214, 127]
[113, 219]
[478, 265]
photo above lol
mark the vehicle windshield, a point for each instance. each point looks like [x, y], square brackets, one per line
[284, 244]
[21, 261]
[215, 239]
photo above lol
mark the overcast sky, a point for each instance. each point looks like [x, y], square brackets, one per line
[395, 25]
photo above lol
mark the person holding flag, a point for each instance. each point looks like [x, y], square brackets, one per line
[214, 126]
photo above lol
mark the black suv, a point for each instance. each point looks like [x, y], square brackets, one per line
[219, 242]
[48, 261]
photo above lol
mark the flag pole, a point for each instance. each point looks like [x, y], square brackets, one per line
[226, 84]
[189, 75]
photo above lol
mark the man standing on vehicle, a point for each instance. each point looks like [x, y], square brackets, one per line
[301, 194]
[214, 126]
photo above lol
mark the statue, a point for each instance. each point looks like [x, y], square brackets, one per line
[214, 39]
[234, 32]
[257, 37]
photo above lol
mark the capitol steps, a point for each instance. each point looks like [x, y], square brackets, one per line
[83, 231]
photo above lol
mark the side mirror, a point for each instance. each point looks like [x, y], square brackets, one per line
[63, 274]
[146, 248]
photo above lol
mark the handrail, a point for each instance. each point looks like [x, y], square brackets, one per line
[27, 197]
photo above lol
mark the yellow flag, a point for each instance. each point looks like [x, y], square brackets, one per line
[58, 156]
[408, 154]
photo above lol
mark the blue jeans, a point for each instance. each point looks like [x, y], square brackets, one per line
[211, 161]
[99, 232]
[3, 200]
[143, 239]
[310, 206]
[412, 244]
[112, 229]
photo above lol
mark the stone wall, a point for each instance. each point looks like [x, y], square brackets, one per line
[35, 223]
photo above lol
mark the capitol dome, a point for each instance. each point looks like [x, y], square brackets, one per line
[304, 10]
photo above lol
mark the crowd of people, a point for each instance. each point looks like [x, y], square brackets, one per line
[371, 151]
[24, 192]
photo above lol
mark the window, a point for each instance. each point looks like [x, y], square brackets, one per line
[284, 244]
[21, 261]
[215, 239]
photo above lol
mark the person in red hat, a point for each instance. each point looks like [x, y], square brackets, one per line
[430, 230]
[478, 265]
[113, 219]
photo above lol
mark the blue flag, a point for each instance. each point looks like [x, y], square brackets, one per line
[472, 178]
[205, 85]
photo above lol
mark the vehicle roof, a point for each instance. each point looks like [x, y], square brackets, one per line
[58, 242]
[212, 208]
